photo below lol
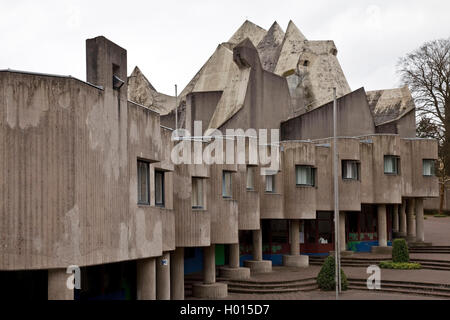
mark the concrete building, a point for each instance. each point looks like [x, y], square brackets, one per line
[88, 179]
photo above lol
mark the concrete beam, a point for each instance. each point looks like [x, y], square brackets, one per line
[209, 264]
[410, 234]
[382, 225]
[420, 235]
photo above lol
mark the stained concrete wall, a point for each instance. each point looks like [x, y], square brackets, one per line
[354, 119]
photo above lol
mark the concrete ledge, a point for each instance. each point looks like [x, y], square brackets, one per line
[381, 250]
[259, 266]
[295, 261]
[216, 290]
[234, 273]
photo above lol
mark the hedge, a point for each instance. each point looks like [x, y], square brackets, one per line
[400, 251]
[399, 265]
[326, 277]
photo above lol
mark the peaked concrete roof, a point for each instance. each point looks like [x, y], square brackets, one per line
[391, 104]
[248, 30]
[140, 90]
[291, 48]
[269, 47]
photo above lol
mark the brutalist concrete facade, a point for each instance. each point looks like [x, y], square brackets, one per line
[71, 151]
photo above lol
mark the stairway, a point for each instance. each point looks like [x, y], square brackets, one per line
[430, 249]
[405, 287]
[443, 265]
[271, 287]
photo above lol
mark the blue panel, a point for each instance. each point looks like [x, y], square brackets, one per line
[194, 264]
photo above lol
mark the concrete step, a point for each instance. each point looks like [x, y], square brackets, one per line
[276, 282]
[405, 287]
[310, 287]
[273, 286]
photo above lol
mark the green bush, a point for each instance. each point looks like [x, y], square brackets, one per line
[400, 251]
[399, 265]
[325, 278]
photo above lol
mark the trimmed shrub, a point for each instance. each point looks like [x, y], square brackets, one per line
[400, 265]
[325, 278]
[400, 251]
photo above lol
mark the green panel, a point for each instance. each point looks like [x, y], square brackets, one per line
[220, 254]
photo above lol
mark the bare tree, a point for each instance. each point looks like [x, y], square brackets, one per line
[427, 73]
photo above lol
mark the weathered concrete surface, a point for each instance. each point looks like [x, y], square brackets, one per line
[57, 285]
[146, 279]
[295, 260]
[235, 273]
[216, 290]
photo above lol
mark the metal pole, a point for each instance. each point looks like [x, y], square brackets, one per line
[336, 200]
[176, 108]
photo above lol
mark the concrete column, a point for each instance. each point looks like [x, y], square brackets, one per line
[257, 245]
[163, 277]
[342, 242]
[395, 219]
[294, 228]
[420, 235]
[57, 285]
[177, 274]
[382, 226]
[209, 264]
[146, 279]
[403, 218]
[234, 255]
[410, 218]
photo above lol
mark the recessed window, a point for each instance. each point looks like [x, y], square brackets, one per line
[159, 188]
[250, 177]
[270, 183]
[350, 169]
[226, 184]
[429, 167]
[305, 175]
[197, 193]
[143, 182]
[391, 164]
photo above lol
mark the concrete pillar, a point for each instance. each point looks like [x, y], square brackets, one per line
[382, 226]
[177, 274]
[410, 219]
[342, 242]
[402, 220]
[209, 264]
[163, 277]
[257, 245]
[234, 255]
[420, 235]
[146, 279]
[294, 229]
[57, 285]
[395, 222]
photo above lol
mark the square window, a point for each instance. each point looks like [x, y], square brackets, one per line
[391, 164]
[429, 167]
[305, 175]
[143, 182]
[350, 169]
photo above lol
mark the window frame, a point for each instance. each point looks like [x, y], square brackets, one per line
[344, 169]
[224, 189]
[313, 175]
[397, 164]
[273, 184]
[433, 172]
[200, 181]
[252, 168]
[163, 203]
[139, 192]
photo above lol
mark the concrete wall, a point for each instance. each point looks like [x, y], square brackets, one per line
[354, 119]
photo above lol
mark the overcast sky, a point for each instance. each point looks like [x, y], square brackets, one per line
[170, 40]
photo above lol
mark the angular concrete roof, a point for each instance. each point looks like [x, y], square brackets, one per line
[269, 47]
[391, 104]
[248, 30]
[140, 90]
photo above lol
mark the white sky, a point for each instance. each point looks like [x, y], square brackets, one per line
[170, 40]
